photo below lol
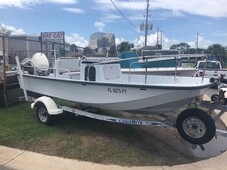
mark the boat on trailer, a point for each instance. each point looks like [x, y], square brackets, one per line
[100, 84]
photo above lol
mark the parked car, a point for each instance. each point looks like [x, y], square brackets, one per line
[211, 69]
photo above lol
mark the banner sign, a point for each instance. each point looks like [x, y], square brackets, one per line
[58, 37]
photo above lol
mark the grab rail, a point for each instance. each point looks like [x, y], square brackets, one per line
[54, 70]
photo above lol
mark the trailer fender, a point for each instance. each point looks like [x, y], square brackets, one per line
[49, 103]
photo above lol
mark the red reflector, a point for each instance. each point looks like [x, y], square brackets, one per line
[201, 73]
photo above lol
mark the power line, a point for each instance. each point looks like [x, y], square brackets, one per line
[124, 16]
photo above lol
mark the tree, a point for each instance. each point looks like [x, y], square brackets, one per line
[61, 51]
[87, 51]
[217, 51]
[173, 47]
[158, 46]
[124, 46]
[73, 48]
[196, 51]
[183, 47]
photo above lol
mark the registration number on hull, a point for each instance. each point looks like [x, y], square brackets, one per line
[117, 90]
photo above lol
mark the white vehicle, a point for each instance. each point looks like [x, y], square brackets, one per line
[210, 69]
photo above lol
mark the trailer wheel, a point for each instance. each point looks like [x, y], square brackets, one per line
[196, 126]
[215, 98]
[42, 114]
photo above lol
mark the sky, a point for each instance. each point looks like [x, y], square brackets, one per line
[177, 20]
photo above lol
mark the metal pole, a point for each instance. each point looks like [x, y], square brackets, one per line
[157, 35]
[5, 92]
[46, 49]
[161, 39]
[41, 47]
[197, 42]
[64, 42]
[146, 26]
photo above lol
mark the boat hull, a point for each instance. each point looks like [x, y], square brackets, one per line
[150, 99]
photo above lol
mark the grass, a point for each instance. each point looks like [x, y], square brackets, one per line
[83, 139]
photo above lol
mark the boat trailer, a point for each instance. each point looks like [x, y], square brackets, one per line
[194, 124]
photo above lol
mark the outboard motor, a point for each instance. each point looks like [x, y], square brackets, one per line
[40, 63]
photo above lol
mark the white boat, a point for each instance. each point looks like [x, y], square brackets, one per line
[102, 85]
[156, 64]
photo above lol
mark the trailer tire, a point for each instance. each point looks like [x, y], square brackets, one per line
[195, 126]
[215, 98]
[42, 114]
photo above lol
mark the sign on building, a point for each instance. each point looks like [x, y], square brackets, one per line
[57, 37]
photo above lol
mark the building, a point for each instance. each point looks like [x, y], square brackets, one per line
[23, 46]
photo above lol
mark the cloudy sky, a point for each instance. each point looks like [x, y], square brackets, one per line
[179, 21]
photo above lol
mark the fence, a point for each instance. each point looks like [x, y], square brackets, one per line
[23, 47]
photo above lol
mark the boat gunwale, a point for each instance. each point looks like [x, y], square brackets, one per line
[141, 86]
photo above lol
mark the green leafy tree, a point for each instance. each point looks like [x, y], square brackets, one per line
[217, 51]
[183, 47]
[124, 46]
[158, 46]
[87, 51]
[73, 48]
[61, 51]
[173, 47]
[198, 51]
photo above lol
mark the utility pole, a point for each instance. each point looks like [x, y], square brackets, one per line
[161, 40]
[146, 25]
[157, 35]
[197, 42]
